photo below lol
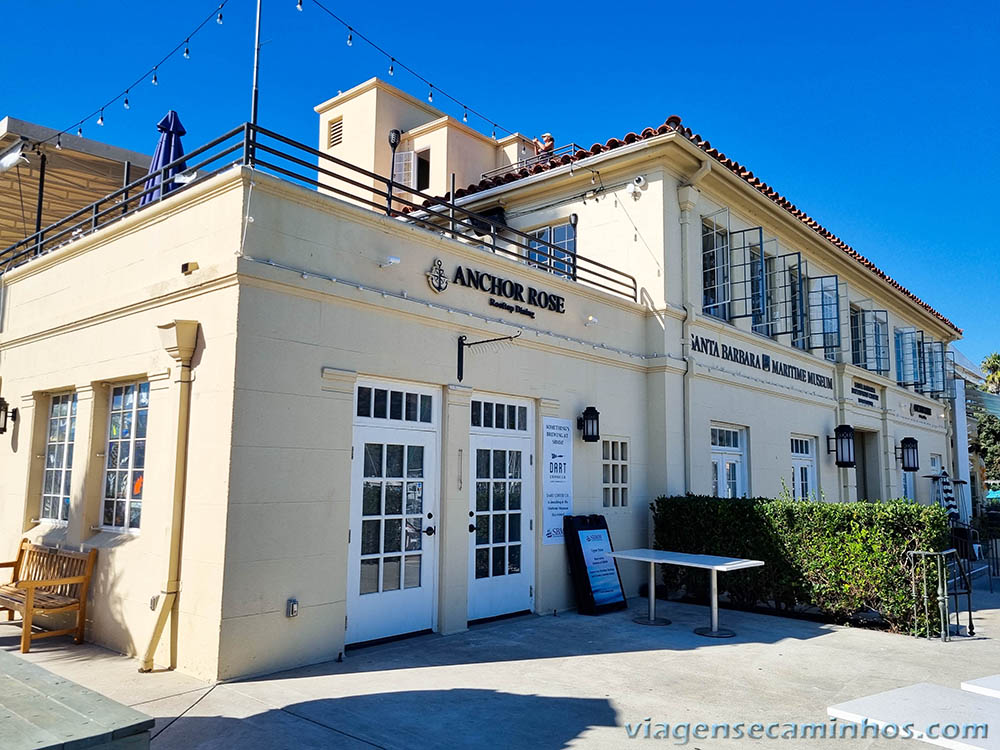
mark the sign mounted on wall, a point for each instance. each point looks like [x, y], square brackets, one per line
[557, 477]
[759, 361]
[506, 294]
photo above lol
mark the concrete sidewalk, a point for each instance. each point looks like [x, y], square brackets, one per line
[542, 682]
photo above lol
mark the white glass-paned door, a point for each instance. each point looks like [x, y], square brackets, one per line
[501, 526]
[393, 543]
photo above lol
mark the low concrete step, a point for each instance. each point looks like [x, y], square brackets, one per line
[929, 710]
[984, 686]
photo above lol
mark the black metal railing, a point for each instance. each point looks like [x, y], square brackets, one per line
[527, 163]
[275, 154]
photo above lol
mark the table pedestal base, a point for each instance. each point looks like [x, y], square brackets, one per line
[720, 633]
[644, 620]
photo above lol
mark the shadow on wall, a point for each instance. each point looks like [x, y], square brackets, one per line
[459, 718]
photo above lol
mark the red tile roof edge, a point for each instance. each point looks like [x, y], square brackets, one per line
[673, 124]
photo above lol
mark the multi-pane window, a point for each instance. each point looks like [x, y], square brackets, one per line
[728, 478]
[870, 340]
[59, 458]
[124, 473]
[498, 512]
[803, 484]
[561, 259]
[499, 416]
[386, 403]
[715, 265]
[614, 473]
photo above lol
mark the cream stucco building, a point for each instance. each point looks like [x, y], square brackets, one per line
[247, 395]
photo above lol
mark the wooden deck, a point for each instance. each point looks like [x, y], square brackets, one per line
[40, 710]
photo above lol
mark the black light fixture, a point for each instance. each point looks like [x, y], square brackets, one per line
[907, 452]
[843, 438]
[589, 423]
[394, 139]
[6, 415]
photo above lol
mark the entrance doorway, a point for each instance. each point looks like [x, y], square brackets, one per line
[501, 513]
[392, 546]
[869, 484]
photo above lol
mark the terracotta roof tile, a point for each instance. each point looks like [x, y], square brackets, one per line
[673, 124]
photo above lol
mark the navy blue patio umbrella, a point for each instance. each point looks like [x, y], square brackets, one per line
[168, 149]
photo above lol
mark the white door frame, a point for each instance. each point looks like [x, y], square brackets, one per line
[394, 611]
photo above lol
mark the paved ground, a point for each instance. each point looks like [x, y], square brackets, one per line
[542, 682]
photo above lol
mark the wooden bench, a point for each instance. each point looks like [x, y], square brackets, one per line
[45, 580]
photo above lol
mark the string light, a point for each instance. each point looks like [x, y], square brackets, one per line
[151, 73]
[59, 142]
[494, 131]
[393, 61]
[298, 5]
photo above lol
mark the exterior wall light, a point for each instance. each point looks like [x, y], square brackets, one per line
[6, 415]
[843, 439]
[589, 423]
[907, 452]
[395, 136]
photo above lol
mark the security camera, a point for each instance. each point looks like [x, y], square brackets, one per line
[639, 181]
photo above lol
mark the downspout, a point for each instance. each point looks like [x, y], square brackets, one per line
[179, 338]
[687, 197]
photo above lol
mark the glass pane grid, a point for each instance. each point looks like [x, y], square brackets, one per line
[499, 416]
[615, 473]
[392, 508]
[124, 471]
[59, 458]
[393, 405]
[498, 516]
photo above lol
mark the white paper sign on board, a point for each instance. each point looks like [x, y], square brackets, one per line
[557, 477]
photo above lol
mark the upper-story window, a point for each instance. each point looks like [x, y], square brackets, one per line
[560, 259]
[423, 170]
[870, 339]
[413, 169]
[59, 458]
[124, 475]
[715, 265]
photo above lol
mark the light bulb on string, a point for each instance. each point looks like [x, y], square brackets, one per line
[187, 50]
[218, 18]
[59, 142]
[125, 103]
[430, 94]
[79, 132]
[350, 37]
[593, 179]
[391, 70]
[155, 81]
[100, 120]
[465, 114]
[298, 5]
[494, 131]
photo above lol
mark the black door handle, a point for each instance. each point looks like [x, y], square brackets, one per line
[429, 531]
[472, 528]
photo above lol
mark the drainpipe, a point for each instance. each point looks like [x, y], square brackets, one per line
[687, 197]
[179, 338]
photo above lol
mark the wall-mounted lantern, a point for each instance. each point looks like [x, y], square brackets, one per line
[589, 423]
[395, 136]
[6, 415]
[907, 453]
[843, 439]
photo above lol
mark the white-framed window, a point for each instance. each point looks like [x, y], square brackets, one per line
[125, 457]
[715, 265]
[404, 171]
[614, 472]
[388, 404]
[560, 260]
[58, 458]
[803, 484]
[729, 478]
[497, 415]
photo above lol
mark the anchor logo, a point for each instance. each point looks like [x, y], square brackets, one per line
[436, 277]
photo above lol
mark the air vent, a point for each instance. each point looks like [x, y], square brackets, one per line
[335, 134]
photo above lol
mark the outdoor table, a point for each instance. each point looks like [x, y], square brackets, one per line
[712, 563]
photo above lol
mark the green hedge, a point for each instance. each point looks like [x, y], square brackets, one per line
[841, 558]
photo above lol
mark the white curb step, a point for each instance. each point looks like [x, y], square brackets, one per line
[984, 686]
[924, 705]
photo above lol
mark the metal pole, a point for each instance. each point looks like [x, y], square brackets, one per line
[41, 192]
[715, 600]
[652, 591]
[126, 179]
[256, 67]
[451, 210]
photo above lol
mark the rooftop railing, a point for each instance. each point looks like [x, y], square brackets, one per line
[275, 154]
[539, 158]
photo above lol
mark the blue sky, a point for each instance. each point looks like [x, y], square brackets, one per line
[878, 119]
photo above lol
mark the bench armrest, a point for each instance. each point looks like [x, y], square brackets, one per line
[10, 564]
[50, 582]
